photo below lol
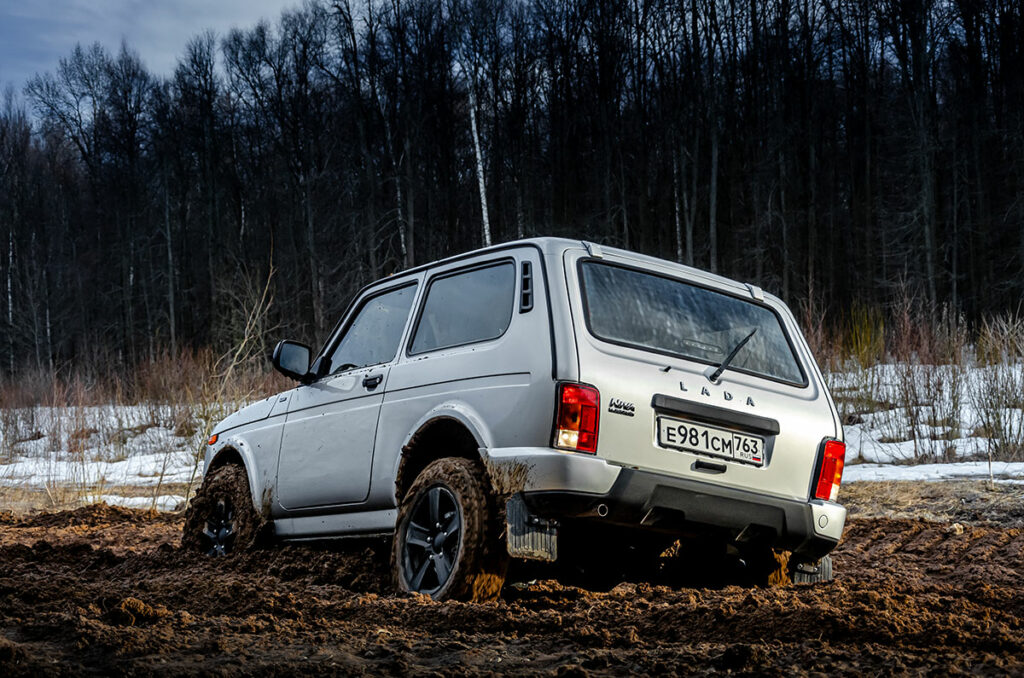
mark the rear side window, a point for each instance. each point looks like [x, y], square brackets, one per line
[664, 315]
[372, 337]
[465, 308]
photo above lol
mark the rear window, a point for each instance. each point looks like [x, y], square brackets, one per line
[654, 313]
[465, 308]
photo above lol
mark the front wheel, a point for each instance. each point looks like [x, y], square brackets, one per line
[221, 518]
[447, 541]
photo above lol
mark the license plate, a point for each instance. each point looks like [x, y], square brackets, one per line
[710, 440]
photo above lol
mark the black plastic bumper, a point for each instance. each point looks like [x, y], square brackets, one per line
[644, 500]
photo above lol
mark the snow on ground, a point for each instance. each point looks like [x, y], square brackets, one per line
[89, 450]
[900, 414]
[948, 471]
[901, 420]
[144, 469]
[165, 502]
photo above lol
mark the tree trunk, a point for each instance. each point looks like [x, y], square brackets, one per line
[485, 221]
[171, 311]
[410, 218]
[313, 260]
[676, 208]
[10, 301]
[713, 201]
[49, 324]
[812, 216]
[927, 207]
[786, 267]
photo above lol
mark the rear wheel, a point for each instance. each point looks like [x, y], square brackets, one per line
[221, 518]
[447, 541]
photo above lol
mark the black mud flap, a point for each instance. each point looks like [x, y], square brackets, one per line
[530, 536]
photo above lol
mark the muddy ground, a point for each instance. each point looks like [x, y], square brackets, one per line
[106, 591]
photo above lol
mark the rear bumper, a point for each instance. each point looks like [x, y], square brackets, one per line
[566, 486]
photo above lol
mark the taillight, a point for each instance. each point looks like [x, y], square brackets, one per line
[831, 474]
[578, 414]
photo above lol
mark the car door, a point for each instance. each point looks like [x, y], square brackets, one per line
[481, 345]
[327, 445]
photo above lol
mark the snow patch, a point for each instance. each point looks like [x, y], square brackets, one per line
[165, 502]
[926, 472]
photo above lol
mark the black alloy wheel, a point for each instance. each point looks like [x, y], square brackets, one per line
[432, 539]
[221, 519]
[219, 531]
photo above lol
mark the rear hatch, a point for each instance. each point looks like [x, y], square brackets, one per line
[649, 335]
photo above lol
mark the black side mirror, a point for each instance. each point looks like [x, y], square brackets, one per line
[292, 360]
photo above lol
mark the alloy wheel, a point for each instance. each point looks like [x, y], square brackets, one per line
[432, 540]
[219, 530]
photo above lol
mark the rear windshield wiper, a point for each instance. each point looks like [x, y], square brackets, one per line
[713, 377]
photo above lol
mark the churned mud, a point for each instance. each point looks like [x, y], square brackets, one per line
[108, 591]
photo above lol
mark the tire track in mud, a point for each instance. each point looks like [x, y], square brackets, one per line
[106, 591]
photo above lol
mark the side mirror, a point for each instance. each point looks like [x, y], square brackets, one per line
[292, 360]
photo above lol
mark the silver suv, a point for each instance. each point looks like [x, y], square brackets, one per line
[544, 399]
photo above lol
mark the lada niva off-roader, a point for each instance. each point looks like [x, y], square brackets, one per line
[544, 399]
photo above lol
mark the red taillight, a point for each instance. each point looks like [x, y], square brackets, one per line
[831, 474]
[578, 414]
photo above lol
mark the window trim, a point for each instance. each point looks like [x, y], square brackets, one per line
[492, 263]
[349, 318]
[647, 349]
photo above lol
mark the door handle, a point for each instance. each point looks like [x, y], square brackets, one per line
[372, 381]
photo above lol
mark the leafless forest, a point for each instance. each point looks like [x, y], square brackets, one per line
[832, 151]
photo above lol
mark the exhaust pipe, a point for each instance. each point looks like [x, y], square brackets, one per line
[599, 511]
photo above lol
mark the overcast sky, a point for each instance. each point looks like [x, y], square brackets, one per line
[35, 34]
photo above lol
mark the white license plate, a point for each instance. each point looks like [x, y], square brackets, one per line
[710, 440]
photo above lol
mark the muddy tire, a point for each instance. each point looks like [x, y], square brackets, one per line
[221, 518]
[448, 541]
[823, 574]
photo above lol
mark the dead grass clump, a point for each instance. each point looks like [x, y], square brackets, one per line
[863, 335]
[949, 500]
[1000, 339]
[821, 340]
[998, 399]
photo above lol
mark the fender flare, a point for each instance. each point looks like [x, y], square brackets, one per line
[236, 445]
[456, 410]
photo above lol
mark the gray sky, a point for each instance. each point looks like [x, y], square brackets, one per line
[35, 34]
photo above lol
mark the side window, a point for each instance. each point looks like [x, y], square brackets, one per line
[465, 308]
[373, 336]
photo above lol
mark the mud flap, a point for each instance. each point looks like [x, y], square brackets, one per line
[530, 536]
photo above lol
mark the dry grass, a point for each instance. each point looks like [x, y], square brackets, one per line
[950, 500]
[21, 500]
